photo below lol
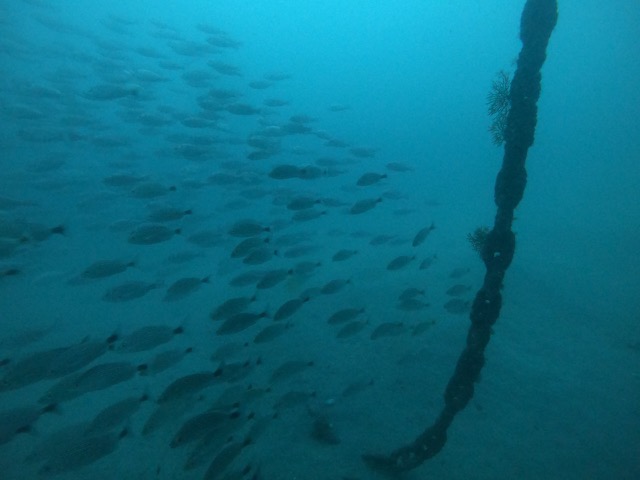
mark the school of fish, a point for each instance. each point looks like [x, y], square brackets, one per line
[240, 257]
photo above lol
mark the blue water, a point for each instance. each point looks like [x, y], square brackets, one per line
[401, 90]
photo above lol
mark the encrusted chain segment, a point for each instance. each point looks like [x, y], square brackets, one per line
[538, 21]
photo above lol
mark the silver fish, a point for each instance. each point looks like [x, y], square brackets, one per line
[110, 91]
[151, 190]
[421, 327]
[288, 369]
[183, 257]
[25, 336]
[7, 203]
[260, 84]
[198, 78]
[271, 332]
[10, 272]
[284, 172]
[20, 420]
[310, 172]
[302, 203]
[457, 306]
[115, 415]
[381, 239]
[293, 399]
[338, 107]
[399, 167]
[197, 122]
[167, 412]
[365, 205]
[334, 286]
[457, 290]
[247, 228]
[306, 268]
[322, 429]
[206, 238]
[200, 425]
[459, 272]
[388, 329]
[352, 328]
[370, 178]
[343, 254]
[427, 262]
[239, 322]
[146, 338]
[422, 235]
[247, 278]
[53, 363]
[306, 215]
[106, 268]
[9, 246]
[299, 251]
[208, 446]
[275, 102]
[357, 387]
[258, 256]
[81, 452]
[151, 234]
[345, 315]
[223, 459]
[231, 307]
[247, 245]
[188, 385]
[412, 304]
[241, 109]
[77, 356]
[289, 307]
[336, 143]
[128, 291]
[192, 152]
[363, 152]
[167, 214]
[183, 287]
[164, 360]
[29, 370]
[55, 444]
[272, 278]
[235, 371]
[236, 395]
[228, 350]
[219, 39]
[222, 67]
[294, 128]
[95, 378]
[122, 180]
[400, 262]
[22, 232]
[411, 292]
